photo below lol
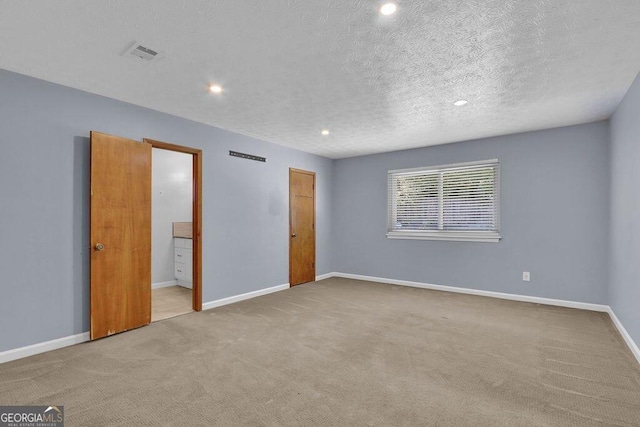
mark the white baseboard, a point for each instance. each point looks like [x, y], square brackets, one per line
[43, 347]
[538, 300]
[625, 335]
[242, 297]
[30, 350]
[513, 297]
[164, 284]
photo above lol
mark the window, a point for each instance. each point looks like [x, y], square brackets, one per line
[452, 202]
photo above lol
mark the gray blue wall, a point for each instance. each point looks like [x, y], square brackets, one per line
[557, 186]
[44, 171]
[624, 283]
[554, 217]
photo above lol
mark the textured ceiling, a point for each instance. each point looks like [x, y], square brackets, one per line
[291, 68]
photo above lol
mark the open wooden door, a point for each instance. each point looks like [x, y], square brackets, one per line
[120, 234]
[302, 226]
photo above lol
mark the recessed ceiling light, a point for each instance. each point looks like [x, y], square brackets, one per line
[388, 9]
[460, 103]
[215, 89]
[325, 132]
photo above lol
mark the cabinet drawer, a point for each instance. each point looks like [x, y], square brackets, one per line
[182, 255]
[179, 242]
[180, 271]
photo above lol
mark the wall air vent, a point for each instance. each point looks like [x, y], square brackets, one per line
[143, 53]
[247, 156]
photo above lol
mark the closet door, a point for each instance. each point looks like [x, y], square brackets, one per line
[120, 234]
[302, 229]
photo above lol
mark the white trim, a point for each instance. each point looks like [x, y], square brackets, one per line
[236, 298]
[395, 231]
[43, 347]
[30, 350]
[164, 284]
[625, 335]
[452, 166]
[453, 236]
[513, 297]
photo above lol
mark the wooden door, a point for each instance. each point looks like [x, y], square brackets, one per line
[120, 234]
[302, 230]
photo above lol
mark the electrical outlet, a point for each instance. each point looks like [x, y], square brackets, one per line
[526, 276]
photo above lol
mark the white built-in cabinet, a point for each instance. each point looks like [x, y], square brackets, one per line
[183, 261]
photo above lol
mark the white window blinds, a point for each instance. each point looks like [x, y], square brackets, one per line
[452, 202]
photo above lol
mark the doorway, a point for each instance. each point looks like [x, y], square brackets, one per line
[120, 232]
[302, 226]
[171, 234]
[179, 230]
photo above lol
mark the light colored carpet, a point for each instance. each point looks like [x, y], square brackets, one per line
[169, 302]
[346, 353]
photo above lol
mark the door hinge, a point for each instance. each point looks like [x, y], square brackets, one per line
[313, 265]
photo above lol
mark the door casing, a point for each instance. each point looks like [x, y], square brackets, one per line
[196, 212]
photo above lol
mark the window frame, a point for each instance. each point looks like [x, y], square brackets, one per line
[486, 236]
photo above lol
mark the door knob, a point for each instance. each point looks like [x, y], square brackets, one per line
[99, 246]
[293, 235]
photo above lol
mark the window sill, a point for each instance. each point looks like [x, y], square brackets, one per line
[453, 236]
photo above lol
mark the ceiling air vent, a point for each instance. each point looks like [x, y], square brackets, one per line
[142, 52]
